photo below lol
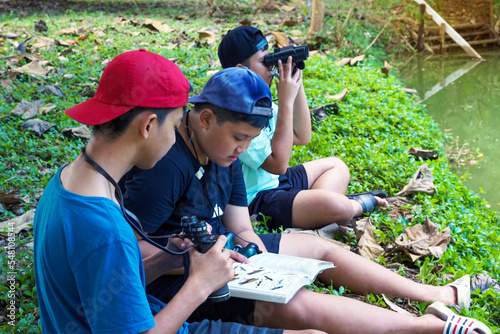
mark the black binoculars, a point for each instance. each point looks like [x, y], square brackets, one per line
[298, 53]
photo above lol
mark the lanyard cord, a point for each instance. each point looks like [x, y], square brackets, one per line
[129, 216]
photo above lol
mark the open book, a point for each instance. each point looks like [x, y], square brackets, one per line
[273, 277]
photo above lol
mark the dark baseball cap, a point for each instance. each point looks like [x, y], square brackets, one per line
[236, 89]
[133, 79]
[240, 44]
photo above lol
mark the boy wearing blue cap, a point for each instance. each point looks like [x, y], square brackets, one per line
[88, 265]
[201, 175]
[309, 195]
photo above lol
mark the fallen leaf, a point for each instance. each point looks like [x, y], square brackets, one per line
[79, 132]
[46, 109]
[6, 83]
[245, 22]
[37, 125]
[73, 31]
[281, 38]
[67, 42]
[344, 61]
[11, 201]
[68, 76]
[181, 17]
[43, 43]
[157, 26]
[296, 32]
[287, 8]
[10, 35]
[27, 109]
[212, 72]
[338, 97]
[49, 89]
[20, 223]
[410, 90]
[420, 182]
[207, 35]
[367, 241]
[354, 61]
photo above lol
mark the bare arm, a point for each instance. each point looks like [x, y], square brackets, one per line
[236, 219]
[301, 119]
[283, 138]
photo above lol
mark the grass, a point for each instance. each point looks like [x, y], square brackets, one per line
[371, 130]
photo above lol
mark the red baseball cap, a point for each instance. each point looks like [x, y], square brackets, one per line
[133, 79]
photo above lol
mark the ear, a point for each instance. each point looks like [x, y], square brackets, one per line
[206, 118]
[146, 122]
[239, 65]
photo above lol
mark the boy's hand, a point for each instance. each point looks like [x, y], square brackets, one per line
[213, 269]
[288, 85]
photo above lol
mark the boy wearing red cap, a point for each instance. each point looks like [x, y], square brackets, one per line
[201, 175]
[88, 265]
[309, 195]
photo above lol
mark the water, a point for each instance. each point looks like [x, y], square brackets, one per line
[463, 97]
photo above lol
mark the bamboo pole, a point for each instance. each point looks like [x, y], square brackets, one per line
[450, 31]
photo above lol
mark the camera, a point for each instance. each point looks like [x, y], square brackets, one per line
[197, 232]
[298, 53]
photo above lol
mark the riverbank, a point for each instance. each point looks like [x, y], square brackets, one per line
[371, 129]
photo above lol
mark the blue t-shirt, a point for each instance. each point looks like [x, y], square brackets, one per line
[88, 266]
[162, 195]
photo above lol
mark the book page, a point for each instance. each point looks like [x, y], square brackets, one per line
[274, 277]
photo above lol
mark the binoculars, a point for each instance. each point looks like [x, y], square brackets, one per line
[298, 53]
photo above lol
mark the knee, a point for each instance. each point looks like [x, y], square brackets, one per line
[338, 207]
[340, 166]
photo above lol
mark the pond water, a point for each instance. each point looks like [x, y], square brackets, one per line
[463, 97]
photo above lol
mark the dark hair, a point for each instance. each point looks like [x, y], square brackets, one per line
[223, 115]
[117, 126]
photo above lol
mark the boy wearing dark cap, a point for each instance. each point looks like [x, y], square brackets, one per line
[88, 265]
[309, 195]
[201, 175]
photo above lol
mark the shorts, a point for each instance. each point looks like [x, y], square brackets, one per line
[277, 203]
[233, 310]
[207, 327]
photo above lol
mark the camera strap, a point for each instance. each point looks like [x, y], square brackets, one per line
[129, 216]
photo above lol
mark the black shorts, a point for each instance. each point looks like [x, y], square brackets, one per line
[277, 203]
[233, 310]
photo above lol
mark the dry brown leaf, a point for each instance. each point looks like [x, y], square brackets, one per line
[420, 182]
[46, 109]
[20, 223]
[10, 35]
[281, 38]
[181, 17]
[424, 154]
[354, 61]
[289, 23]
[158, 26]
[79, 132]
[43, 43]
[73, 31]
[27, 109]
[67, 42]
[338, 97]
[287, 8]
[40, 26]
[367, 241]
[207, 35]
[425, 240]
[296, 32]
[387, 68]
[344, 61]
[245, 22]
[37, 125]
[259, 22]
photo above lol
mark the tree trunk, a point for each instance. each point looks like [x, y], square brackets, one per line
[317, 17]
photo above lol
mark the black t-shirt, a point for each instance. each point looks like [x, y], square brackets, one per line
[161, 196]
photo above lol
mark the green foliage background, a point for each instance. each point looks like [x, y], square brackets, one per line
[371, 130]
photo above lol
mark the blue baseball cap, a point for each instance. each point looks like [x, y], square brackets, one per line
[240, 44]
[236, 89]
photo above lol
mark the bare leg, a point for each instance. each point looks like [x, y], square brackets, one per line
[335, 314]
[359, 274]
[328, 174]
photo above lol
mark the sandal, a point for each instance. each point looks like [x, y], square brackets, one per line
[462, 285]
[367, 200]
[456, 323]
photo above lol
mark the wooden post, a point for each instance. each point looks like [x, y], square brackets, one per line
[450, 31]
[442, 31]
[421, 30]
